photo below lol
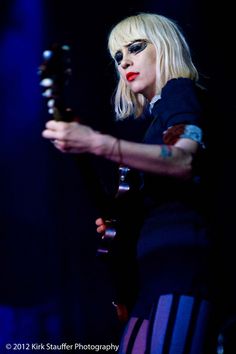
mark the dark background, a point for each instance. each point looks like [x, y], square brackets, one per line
[52, 286]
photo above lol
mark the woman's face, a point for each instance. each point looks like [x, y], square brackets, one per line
[137, 66]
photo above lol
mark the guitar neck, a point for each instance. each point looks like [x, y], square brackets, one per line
[65, 116]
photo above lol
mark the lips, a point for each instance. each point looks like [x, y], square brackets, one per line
[132, 76]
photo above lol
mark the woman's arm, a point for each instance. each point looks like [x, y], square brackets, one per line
[172, 160]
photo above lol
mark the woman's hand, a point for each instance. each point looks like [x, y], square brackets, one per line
[101, 225]
[71, 137]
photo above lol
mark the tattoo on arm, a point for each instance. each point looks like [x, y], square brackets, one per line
[166, 151]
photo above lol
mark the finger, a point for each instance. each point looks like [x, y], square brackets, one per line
[55, 125]
[50, 134]
[62, 146]
[99, 221]
[101, 229]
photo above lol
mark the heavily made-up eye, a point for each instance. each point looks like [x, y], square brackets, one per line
[137, 46]
[118, 57]
[133, 48]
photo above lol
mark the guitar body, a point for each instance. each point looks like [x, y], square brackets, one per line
[117, 246]
[120, 226]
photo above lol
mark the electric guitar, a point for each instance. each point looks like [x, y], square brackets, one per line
[55, 73]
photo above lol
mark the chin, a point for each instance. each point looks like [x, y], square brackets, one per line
[137, 88]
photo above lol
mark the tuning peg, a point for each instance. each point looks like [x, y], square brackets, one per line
[41, 69]
[65, 47]
[47, 93]
[51, 103]
[47, 54]
[46, 82]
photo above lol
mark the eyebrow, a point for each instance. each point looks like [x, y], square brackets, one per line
[135, 40]
[129, 44]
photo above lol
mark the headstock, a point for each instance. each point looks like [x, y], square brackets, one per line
[55, 73]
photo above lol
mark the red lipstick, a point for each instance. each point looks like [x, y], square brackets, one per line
[131, 75]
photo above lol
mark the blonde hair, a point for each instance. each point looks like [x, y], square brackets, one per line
[173, 56]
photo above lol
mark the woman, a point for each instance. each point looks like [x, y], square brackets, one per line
[158, 87]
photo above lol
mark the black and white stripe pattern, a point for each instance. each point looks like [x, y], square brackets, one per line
[177, 325]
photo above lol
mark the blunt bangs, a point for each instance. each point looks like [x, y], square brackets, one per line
[126, 32]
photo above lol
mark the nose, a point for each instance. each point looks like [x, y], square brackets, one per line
[126, 61]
